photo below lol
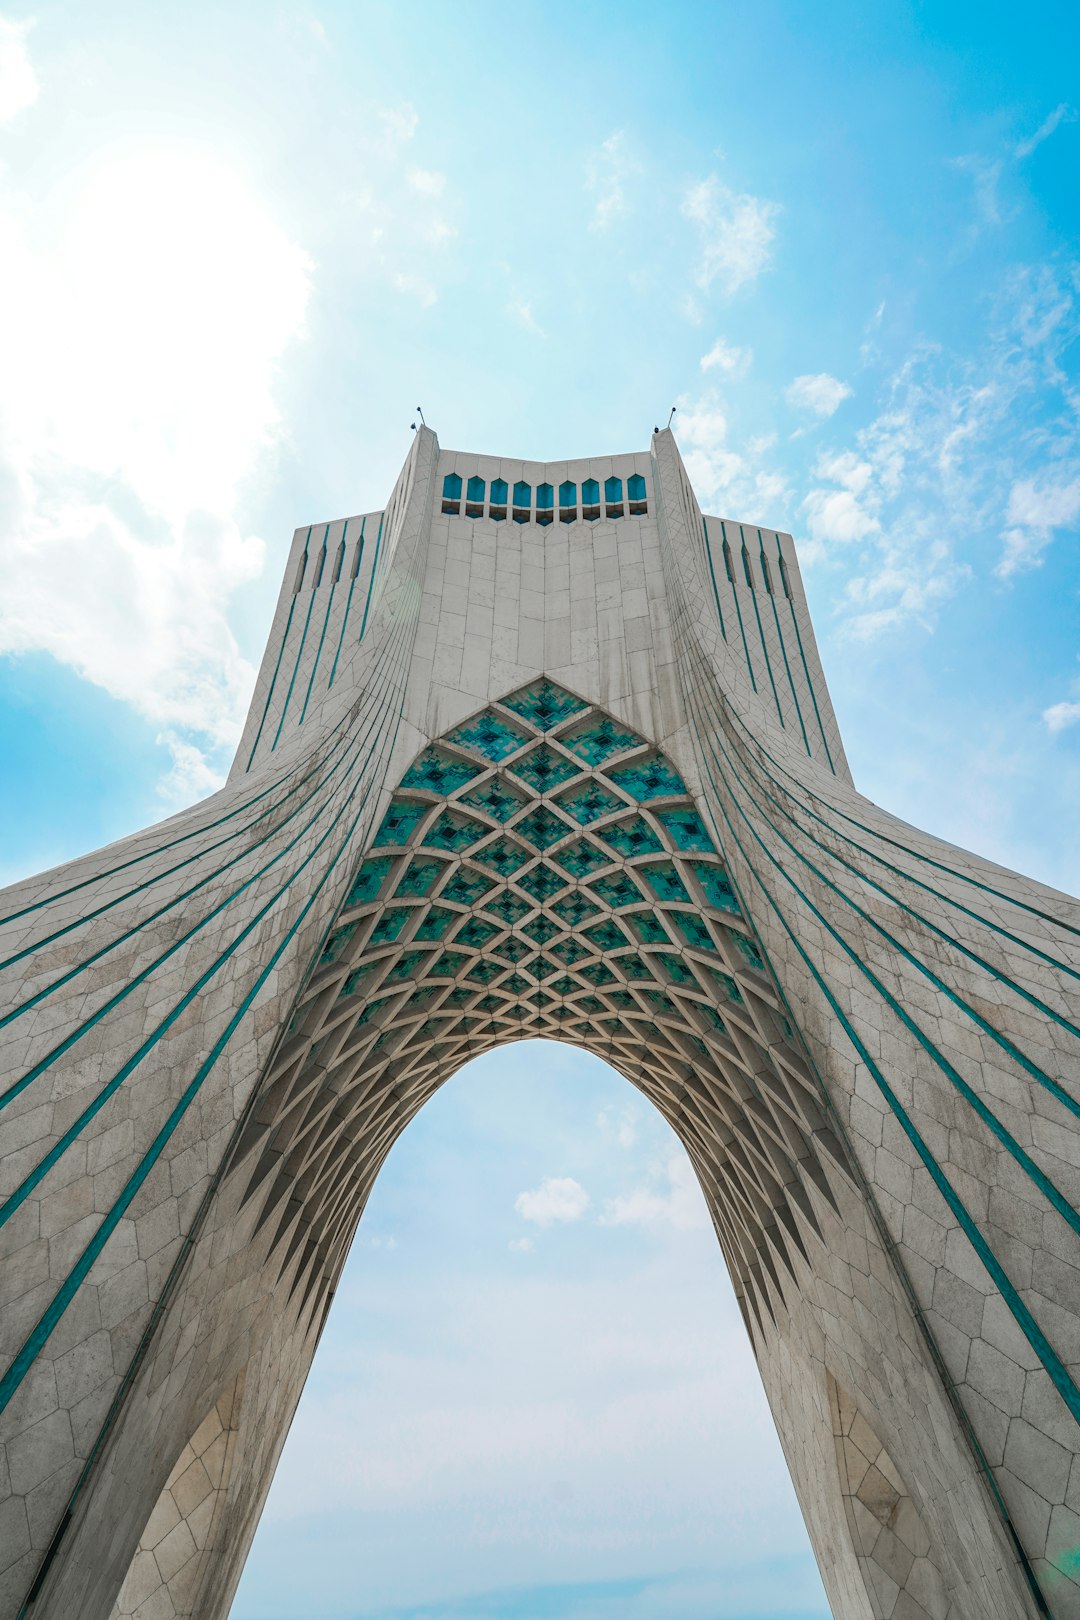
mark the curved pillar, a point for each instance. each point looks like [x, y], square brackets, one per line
[521, 766]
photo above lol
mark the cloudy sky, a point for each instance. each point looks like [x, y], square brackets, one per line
[237, 244]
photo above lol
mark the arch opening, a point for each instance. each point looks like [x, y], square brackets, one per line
[542, 870]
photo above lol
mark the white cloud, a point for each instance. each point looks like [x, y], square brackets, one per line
[137, 398]
[522, 311]
[621, 1123]
[673, 1198]
[397, 126]
[819, 393]
[607, 174]
[558, 1198]
[427, 182]
[1059, 716]
[836, 515]
[1037, 506]
[521, 1245]
[723, 477]
[416, 286]
[985, 176]
[1062, 114]
[18, 81]
[736, 232]
[725, 358]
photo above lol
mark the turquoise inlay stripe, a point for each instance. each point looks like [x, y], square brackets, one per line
[185, 894]
[712, 576]
[71, 1136]
[738, 610]
[783, 646]
[281, 649]
[1022, 1315]
[995, 973]
[296, 666]
[1044, 1184]
[64, 1296]
[348, 599]
[75, 1035]
[909, 877]
[761, 638]
[326, 621]
[371, 581]
[806, 668]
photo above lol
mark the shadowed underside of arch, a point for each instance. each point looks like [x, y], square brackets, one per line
[542, 871]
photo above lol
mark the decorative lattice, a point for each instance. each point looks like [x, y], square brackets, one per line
[489, 734]
[544, 704]
[438, 772]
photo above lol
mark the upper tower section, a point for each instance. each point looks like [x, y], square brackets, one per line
[483, 572]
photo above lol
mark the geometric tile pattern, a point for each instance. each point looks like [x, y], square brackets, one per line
[599, 912]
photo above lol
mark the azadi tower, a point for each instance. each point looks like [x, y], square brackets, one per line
[540, 750]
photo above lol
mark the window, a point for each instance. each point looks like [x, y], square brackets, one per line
[746, 568]
[497, 508]
[567, 502]
[319, 569]
[545, 502]
[727, 564]
[635, 494]
[474, 497]
[522, 502]
[613, 497]
[766, 573]
[590, 500]
[339, 561]
[451, 493]
[783, 577]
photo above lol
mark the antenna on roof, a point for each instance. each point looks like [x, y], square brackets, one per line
[420, 414]
[674, 408]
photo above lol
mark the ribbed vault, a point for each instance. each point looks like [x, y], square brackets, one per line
[542, 871]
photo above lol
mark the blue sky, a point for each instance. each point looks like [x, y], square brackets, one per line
[237, 244]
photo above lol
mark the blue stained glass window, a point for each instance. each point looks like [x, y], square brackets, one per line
[451, 487]
[419, 877]
[588, 803]
[635, 487]
[581, 858]
[686, 830]
[612, 490]
[648, 927]
[503, 856]
[542, 882]
[436, 923]
[389, 925]
[544, 704]
[399, 821]
[590, 493]
[607, 936]
[498, 492]
[600, 739]
[544, 769]
[633, 837]
[367, 882]
[574, 909]
[522, 494]
[466, 887]
[714, 880]
[454, 832]
[747, 949]
[545, 496]
[648, 779]
[568, 494]
[665, 881]
[495, 798]
[489, 735]
[437, 772]
[475, 489]
[694, 930]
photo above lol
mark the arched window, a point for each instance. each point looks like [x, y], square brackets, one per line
[590, 500]
[522, 502]
[451, 493]
[613, 497]
[474, 497]
[497, 507]
[545, 502]
[635, 494]
[567, 502]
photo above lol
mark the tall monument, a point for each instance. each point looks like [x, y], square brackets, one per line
[541, 750]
